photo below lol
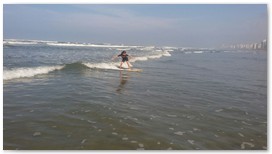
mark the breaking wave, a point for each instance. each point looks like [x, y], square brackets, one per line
[32, 71]
[28, 72]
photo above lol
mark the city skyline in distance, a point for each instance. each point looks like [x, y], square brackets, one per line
[261, 45]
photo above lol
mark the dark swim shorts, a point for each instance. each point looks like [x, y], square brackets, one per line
[124, 59]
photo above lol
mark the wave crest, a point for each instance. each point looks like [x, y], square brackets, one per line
[28, 72]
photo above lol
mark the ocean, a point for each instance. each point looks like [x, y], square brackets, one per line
[72, 96]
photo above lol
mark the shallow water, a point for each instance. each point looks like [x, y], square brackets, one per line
[184, 101]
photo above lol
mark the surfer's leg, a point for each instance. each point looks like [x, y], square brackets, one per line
[121, 64]
[128, 65]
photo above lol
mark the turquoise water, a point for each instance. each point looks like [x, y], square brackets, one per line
[72, 97]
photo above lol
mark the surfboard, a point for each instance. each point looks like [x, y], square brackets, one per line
[132, 70]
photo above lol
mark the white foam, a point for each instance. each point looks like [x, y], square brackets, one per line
[196, 129]
[37, 134]
[28, 72]
[24, 42]
[240, 134]
[139, 59]
[83, 141]
[179, 133]
[19, 43]
[246, 123]
[154, 57]
[125, 138]
[65, 44]
[112, 66]
[243, 145]
[90, 45]
[141, 145]
[170, 48]
[148, 48]
[145, 58]
[198, 51]
[123, 49]
[191, 142]
[92, 122]
[172, 115]
[219, 110]
[166, 53]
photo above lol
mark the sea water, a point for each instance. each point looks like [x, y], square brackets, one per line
[63, 95]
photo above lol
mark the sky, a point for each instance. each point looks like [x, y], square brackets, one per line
[179, 25]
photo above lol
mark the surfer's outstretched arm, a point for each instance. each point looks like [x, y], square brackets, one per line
[130, 57]
[114, 57]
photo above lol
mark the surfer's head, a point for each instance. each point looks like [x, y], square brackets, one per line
[123, 52]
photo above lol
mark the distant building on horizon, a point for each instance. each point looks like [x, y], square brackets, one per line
[252, 46]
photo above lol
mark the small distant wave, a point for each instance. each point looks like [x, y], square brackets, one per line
[28, 72]
[18, 43]
[156, 56]
[66, 44]
[190, 52]
[134, 59]
[90, 45]
[198, 52]
[148, 48]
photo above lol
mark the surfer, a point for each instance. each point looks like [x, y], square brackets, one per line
[124, 56]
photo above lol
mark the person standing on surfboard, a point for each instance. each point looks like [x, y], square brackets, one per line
[124, 56]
